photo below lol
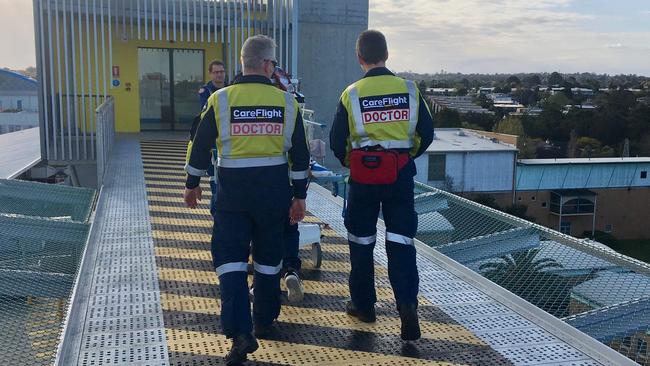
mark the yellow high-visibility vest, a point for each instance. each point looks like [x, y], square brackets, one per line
[255, 123]
[382, 110]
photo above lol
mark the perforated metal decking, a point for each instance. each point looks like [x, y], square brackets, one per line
[314, 331]
[148, 295]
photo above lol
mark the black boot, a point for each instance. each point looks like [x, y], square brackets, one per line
[242, 345]
[263, 331]
[366, 316]
[408, 313]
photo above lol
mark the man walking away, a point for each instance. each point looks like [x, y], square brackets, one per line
[257, 129]
[381, 125]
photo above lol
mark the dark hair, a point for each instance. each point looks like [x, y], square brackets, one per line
[215, 62]
[371, 46]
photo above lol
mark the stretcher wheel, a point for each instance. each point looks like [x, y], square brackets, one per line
[316, 254]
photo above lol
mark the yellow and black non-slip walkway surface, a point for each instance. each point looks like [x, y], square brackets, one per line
[315, 331]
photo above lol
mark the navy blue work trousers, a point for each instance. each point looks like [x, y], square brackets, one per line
[397, 205]
[235, 235]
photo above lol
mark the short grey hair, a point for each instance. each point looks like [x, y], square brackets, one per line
[256, 49]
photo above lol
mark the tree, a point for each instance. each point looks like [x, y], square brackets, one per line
[513, 81]
[525, 96]
[523, 274]
[555, 78]
[528, 147]
[511, 126]
[558, 100]
[532, 80]
[486, 121]
[447, 118]
[422, 86]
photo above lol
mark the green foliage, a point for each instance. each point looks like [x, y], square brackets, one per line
[486, 200]
[601, 237]
[510, 125]
[519, 210]
[531, 278]
[555, 79]
[513, 81]
[526, 96]
[484, 120]
[471, 126]
[618, 115]
[461, 92]
[558, 100]
[532, 80]
[528, 147]
[422, 86]
[447, 118]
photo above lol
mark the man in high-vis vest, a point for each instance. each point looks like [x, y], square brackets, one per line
[382, 124]
[258, 129]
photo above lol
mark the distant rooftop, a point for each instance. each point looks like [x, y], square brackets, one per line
[457, 140]
[584, 160]
[13, 82]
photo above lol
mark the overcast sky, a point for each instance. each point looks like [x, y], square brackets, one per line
[603, 36]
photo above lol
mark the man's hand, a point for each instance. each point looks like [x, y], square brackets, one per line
[297, 211]
[191, 196]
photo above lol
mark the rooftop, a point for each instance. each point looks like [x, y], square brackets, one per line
[12, 82]
[463, 140]
[20, 151]
[620, 160]
[145, 291]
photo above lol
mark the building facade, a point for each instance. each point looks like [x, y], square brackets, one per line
[579, 196]
[466, 161]
[150, 58]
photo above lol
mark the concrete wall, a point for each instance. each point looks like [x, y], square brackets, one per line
[473, 171]
[327, 62]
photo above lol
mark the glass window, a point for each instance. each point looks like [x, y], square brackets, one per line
[169, 82]
[437, 169]
[644, 174]
[188, 79]
[565, 227]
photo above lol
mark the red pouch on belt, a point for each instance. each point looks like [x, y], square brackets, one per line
[376, 166]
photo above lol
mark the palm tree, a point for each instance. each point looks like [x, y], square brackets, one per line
[518, 263]
[523, 274]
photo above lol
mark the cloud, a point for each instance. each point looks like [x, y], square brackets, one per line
[502, 36]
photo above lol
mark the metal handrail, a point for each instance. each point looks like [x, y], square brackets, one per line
[105, 136]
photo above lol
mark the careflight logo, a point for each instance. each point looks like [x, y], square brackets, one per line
[385, 108]
[257, 121]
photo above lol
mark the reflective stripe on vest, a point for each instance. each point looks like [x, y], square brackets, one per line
[251, 162]
[363, 138]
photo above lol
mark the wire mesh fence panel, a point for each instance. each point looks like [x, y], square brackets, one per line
[43, 231]
[588, 285]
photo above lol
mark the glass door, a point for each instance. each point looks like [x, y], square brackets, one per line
[169, 81]
[154, 79]
[188, 79]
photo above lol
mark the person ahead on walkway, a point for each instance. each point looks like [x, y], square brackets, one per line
[258, 129]
[381, 125]
[217, 72]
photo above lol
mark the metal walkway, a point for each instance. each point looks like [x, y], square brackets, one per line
[148, 293]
